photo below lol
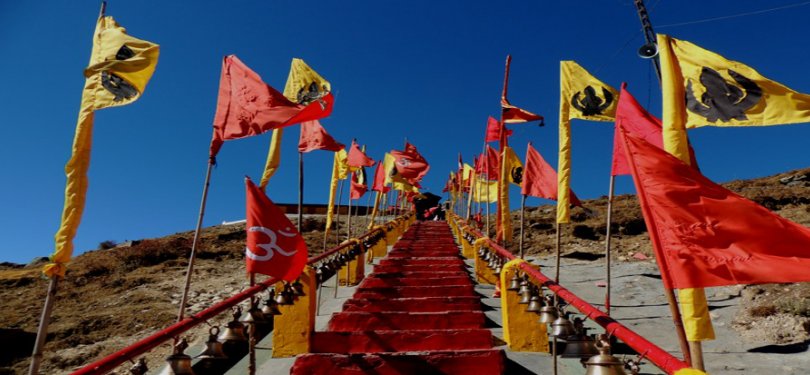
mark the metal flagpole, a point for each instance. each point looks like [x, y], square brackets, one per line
[181, 312]
[337, 214]
[607, 243]
[349, 219]
[300, 190]
[522, 214]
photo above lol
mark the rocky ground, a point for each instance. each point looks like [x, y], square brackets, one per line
[113, 297]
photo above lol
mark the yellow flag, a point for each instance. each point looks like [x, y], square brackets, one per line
[584, 97]
[342, 159]
[514, 166]
[503, 193]
[338, 170]
[303, 86]
[273, 157]
[703, 88]
[485, 191]
[119, 69]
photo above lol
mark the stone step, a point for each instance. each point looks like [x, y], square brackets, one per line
[430, 363]
[423, 304]
[349, 321]
[401, 341]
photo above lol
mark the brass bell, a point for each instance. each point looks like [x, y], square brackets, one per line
[298, 288]
[525, 295]
[498, 267]
[535, 302]
[234, 331]
[289, 291]
[548, 314]
[579, 346]
[139, 368]
[179, 362]
[514, 282]
[493, 261]
[284, 297]
[270, 306]
[254, 315]
[561, 327]
[319, 272]
[213, 348]
[604, 363]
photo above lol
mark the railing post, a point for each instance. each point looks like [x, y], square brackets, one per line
[295, 326]
[354, 271]
[483, 273]
[522, 331]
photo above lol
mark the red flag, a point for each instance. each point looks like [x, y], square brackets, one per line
[489, 164]
[514, 115]
[540, 179]
[273, 246]
[410, 164]
[638, 122]
[314, 137]
[358, 187]
[247, 106]
[358, 158]
[379, 180]
[705, 235]
[494, 130]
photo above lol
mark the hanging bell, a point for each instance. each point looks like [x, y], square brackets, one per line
[579, 346]
[179, 362]
[288, 290]
[561, 327]
[604, 363]
[139, 368]
[525, 295]
[254, 315]
[548, 314]
[498, 268]
[535, 302]
[514, 282]
[213, 348]
[234, 331]
[270, 305]
[283, 297]
[298, 288]
[319, 274]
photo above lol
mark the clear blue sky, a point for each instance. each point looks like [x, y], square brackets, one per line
[430, 71]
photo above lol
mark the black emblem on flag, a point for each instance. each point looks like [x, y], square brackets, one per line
[115, 84]
[517, 174]
[310, 93]
[723, 100]
[592, 104]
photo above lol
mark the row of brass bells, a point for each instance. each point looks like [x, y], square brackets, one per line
[179, 362]
[493, 261]
[254, 315]
[604, 363]
[270, 305]
[234, 330]
[213, 348]
[498, 267]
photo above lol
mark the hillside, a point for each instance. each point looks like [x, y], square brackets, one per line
[113, 297]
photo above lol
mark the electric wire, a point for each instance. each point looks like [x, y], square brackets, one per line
[761, 11]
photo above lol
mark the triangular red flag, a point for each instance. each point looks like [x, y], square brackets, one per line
[410, 164]
[358, 188]
[358, 158]
[540, 178]
[705, 235]
[379, 180]
[514, 115]
[637, 121]
[314, 137]
[494, 130]
[273, 246]
[247, 106]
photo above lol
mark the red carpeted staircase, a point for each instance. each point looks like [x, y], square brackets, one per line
[417, 313]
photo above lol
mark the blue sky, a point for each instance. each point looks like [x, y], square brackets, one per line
[428, 71]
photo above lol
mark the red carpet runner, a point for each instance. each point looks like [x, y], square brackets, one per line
[417, 313]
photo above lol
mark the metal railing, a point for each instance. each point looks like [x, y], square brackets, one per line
[646, 349]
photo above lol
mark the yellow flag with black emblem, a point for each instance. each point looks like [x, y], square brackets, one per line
[582, 96]
[702, 88]
[514, 167]
[303, 86]
[119, 69]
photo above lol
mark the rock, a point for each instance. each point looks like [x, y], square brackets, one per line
[38, 261]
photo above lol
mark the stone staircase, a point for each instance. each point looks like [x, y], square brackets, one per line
[417, 313]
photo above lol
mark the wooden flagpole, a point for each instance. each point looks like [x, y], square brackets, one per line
[337, 214]
[501, 146]
[300, 190]
[607, 243]
[522, 214]
[368, 214]
[349, 219]
[252, 332]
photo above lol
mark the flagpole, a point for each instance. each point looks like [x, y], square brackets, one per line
[182, 310]
[607, 242]
[368, 214]
[252, 332]
[502, 146]
[39, 344]
[522, 213]
[694, 355]
[337, 214]
[300, 190]
[556, 298]
[349, 219]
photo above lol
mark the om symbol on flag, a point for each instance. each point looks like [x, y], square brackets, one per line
[269, 247]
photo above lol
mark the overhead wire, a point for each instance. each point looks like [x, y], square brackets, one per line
[761, 11]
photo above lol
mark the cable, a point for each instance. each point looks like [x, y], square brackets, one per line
[734, 15]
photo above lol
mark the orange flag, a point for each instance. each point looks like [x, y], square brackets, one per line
[247, 106]
[358, 158]
[494, 130]
[540, 178]
[314, 137]
[705, 235]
